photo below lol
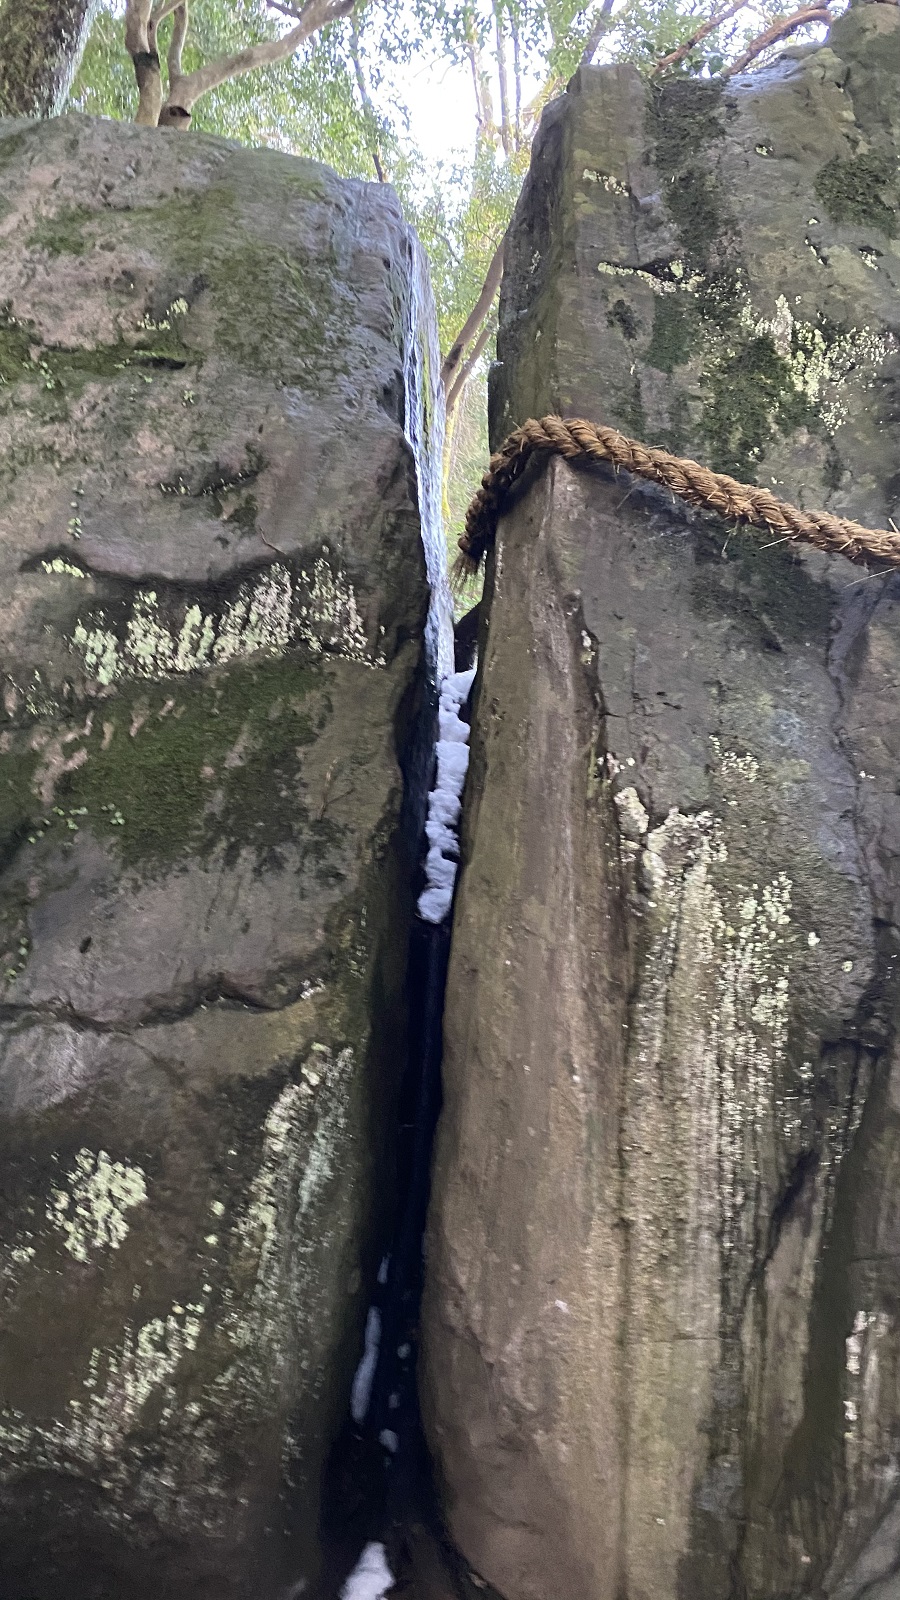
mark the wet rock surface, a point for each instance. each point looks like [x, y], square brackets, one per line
[661, 1313]
[211, 648]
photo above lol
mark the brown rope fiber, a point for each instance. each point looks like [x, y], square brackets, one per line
[575, 439]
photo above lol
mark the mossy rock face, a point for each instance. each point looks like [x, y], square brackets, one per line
[740, 273]
[210, 648]
[862, 190]
[674, 973]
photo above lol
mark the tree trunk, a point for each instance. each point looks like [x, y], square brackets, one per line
[40, 47]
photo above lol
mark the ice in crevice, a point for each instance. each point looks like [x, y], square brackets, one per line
[364, 1377]
[371, 1578]
[445, 799]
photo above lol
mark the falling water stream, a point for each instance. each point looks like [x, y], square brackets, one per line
[424, 427]
[390, 1476]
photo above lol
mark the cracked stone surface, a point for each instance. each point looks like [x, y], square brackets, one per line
[211, 649]
[662, 1325]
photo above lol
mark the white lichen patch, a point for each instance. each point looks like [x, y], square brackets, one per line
[864, 1399]
[633, 818]
[822, 368]
[712, 1017]
[731, 764]
[120, 1382]
[670, 281]
[60, 565]
[91, 1209]
[270, 614]
[95, 1435]
[272, 1313]
[257, 1228]
[605, 180]
[283, 1223]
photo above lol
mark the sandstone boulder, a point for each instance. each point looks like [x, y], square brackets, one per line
[662, 1320]
[211, 650]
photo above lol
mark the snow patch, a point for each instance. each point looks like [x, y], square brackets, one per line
[371, 1578]
[445, 800]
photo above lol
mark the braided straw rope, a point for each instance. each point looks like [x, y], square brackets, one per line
[578, 440]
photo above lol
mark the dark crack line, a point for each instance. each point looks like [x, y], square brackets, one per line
[226, 997]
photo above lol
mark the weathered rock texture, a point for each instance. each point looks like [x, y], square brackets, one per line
[662, 1321]
[210, 646]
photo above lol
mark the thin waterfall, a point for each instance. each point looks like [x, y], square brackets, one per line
[384, 1402]
[424, 428]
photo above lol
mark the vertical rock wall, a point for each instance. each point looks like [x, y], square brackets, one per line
[662, 1347]
[211, 652]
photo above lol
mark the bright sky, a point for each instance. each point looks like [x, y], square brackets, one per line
[440, 99]
[441, 102]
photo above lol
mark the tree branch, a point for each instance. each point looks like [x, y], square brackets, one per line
[369, 117]
[517, 73]
[475, 318]
[172, 115]
[715, 21]
[140, 42]
[162, 10]
[314, 15]
[778, 30]
[176, 44]
[502, 79]
[602, 24]
[465, 371]
[484, 109]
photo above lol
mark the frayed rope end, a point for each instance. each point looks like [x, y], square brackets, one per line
[464, 569]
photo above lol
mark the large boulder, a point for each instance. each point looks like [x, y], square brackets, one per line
[662, 1316]
[211, 651]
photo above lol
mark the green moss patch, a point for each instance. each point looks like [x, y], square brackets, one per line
[684, 114]
[64, 234]
[750, 390]
[17, 801]
[684, 117]
[674, 332]
[864, 189]
[184, 769]
[15, 348]
[621, 316]
[277, 311]
[24, 358]
[695, 205]
[751, 397]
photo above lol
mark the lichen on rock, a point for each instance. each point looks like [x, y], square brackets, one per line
[210, 658]
[674, 967]
[90, 1209]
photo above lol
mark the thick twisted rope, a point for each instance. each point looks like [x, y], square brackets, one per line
[575, 439]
